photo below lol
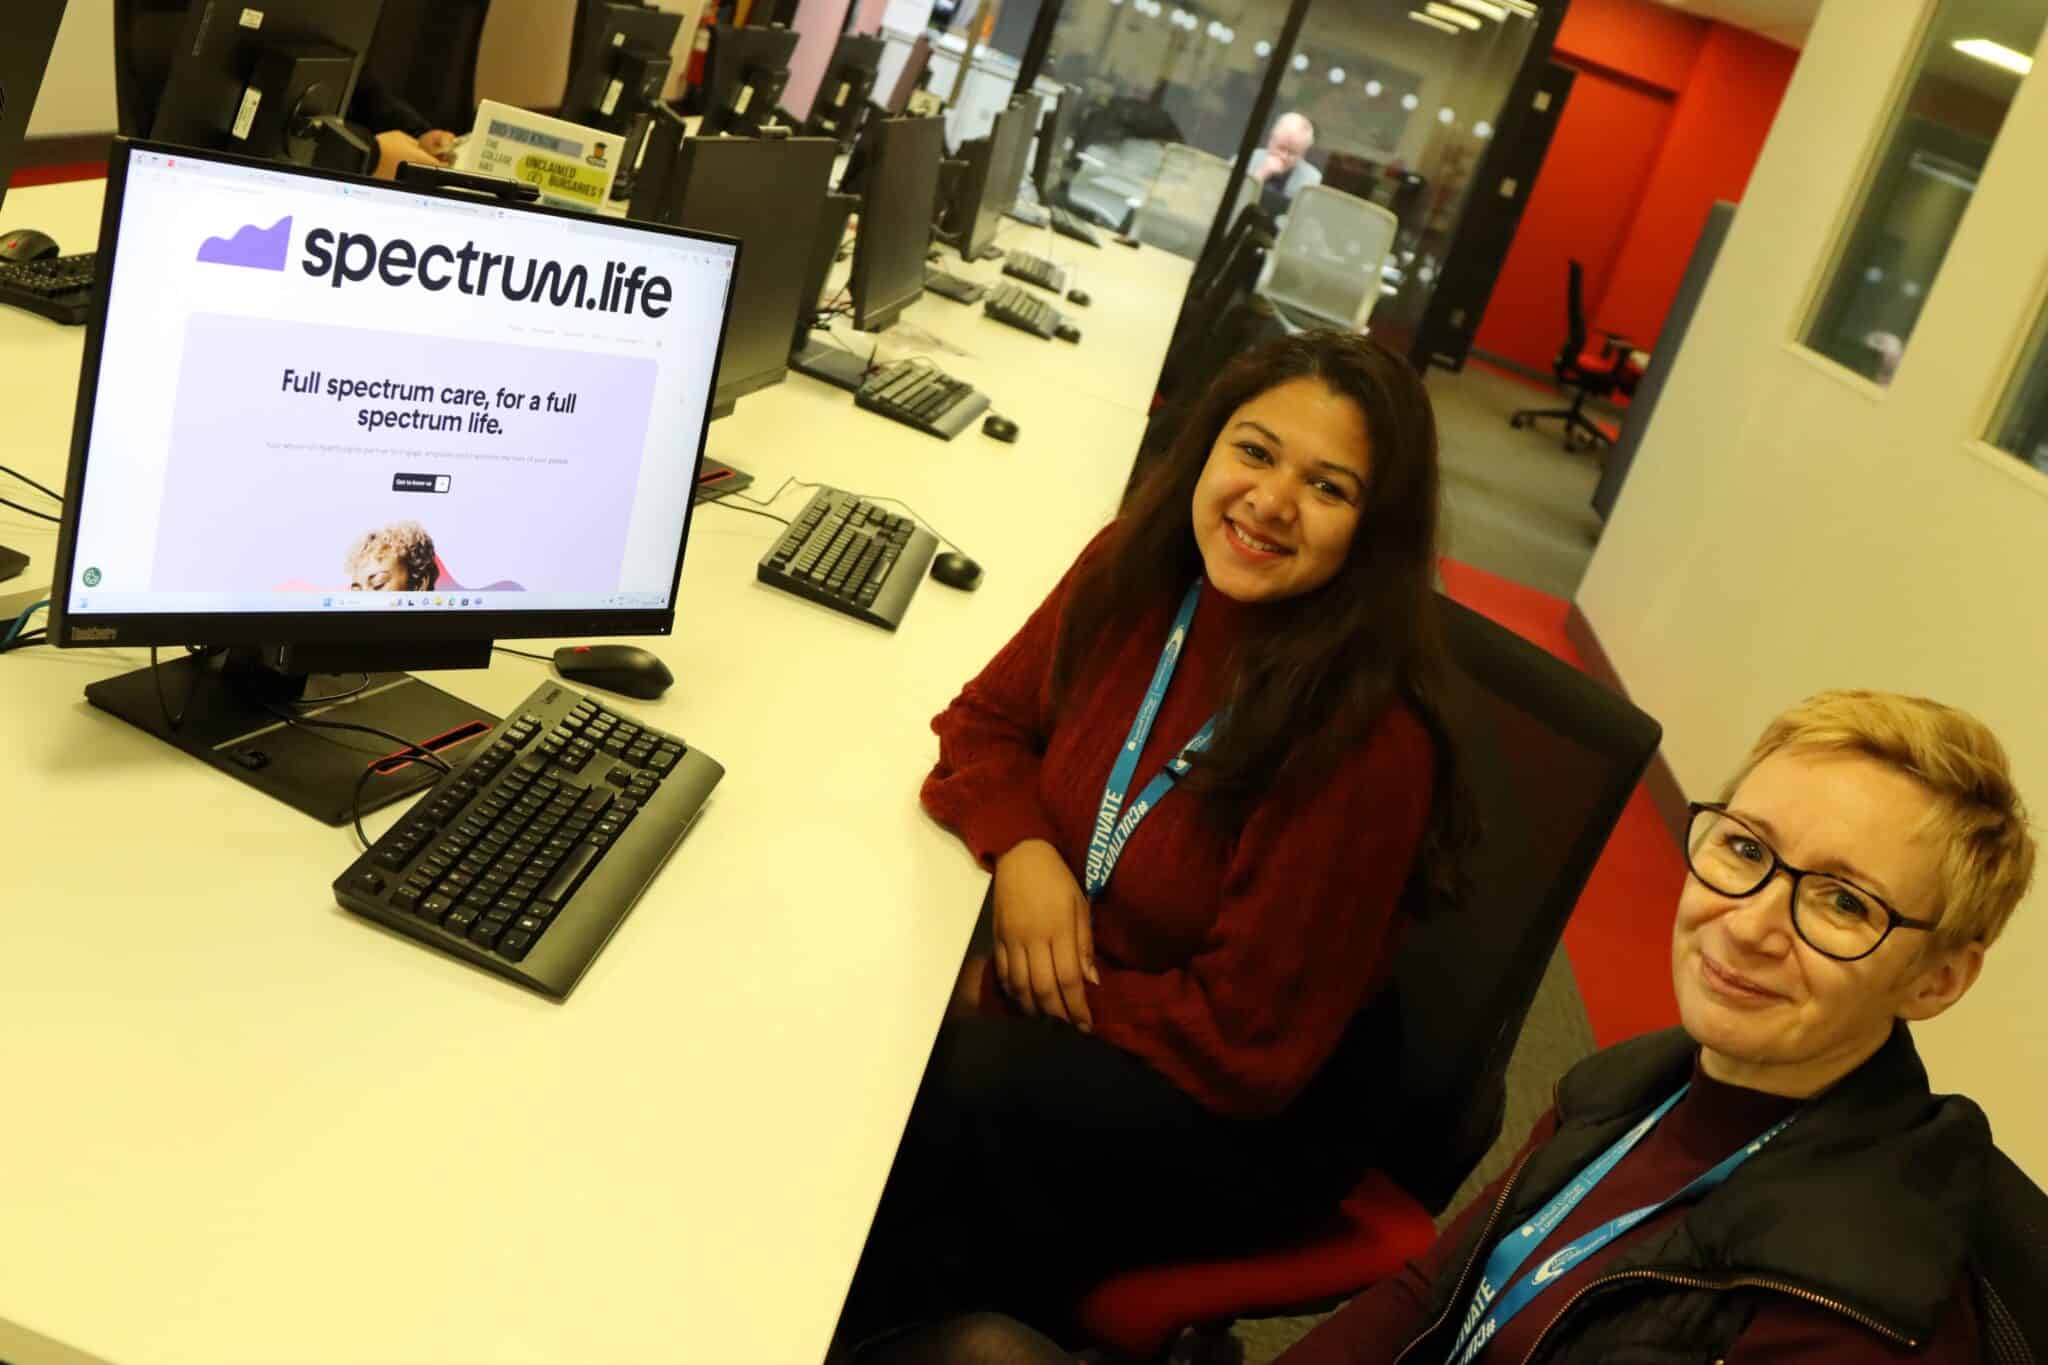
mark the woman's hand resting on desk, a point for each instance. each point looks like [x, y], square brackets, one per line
[395, 147]
[1045, 944]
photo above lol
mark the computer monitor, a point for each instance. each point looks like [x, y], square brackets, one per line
[28, 30]
[329, 426]
[622, 65]
[896, 219]
[744, 75]
[995, 171]
[1054, 133]
[910, 79]
[769, 193]
[841, 103]
[277, 88]
[895, 209]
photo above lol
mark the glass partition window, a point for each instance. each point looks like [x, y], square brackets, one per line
[2021, 427]
[1964, 78]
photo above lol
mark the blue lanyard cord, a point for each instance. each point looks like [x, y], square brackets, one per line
[1114, 825]
[1490, 1309]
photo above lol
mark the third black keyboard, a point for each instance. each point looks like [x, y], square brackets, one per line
[1025, 311]
[1069, 224]
[59, 288]
[1036, 270]
[922, 396]
[852, 556]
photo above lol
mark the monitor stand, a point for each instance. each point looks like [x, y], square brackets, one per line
[12, 562]
[835, 365]
[230, 711]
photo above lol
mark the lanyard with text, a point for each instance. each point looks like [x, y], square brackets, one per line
[1113, 824]
[1488, 1314]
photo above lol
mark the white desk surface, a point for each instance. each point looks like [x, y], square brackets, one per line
[241, 1125]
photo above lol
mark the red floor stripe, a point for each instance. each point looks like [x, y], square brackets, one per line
[1619, 935]
[57, 175]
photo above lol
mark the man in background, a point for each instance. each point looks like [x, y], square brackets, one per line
[1280, 166]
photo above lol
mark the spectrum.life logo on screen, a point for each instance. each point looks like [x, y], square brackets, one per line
[342, 257]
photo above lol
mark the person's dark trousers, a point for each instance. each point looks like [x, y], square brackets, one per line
[1038, 1159]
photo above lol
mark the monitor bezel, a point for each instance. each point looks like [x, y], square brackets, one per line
[317, 626]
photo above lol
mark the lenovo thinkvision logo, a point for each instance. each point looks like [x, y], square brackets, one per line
[94, 635]
[353, 257]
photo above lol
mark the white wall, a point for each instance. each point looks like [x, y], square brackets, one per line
[78, 89]
[1788, 527]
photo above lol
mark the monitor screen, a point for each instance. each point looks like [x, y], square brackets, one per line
[896, 219]
[1055, 131]
[28, 31]
[314, 407]
[998, 172]
[769, 193]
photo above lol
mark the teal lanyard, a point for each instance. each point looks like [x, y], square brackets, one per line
[1114, 825]
[1487, 1314]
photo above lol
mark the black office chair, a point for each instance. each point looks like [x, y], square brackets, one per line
[1551, 758]
[2010, 1254]
[1587, 376]
[425, 53]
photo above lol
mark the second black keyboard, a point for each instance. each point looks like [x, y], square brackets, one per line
[1012, 304]
[1036, 270]
[852, 556]
[922, 396]
[59, 288]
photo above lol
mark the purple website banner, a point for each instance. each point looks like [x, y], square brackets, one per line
[328, 458]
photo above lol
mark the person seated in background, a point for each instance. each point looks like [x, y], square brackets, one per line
[150, 34]
[1280, 166]
[1773, 1180]
[1188, 908]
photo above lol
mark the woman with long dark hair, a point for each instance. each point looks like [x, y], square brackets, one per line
[1206, 775]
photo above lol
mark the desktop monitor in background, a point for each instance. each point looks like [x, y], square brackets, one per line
[895, 231]
[329, 426]
[28, 31]
[910, 79]
[995, 171]
[842, 99]
[769, 193]
[744, 75]
[1048, 165]
[278, 88]
[622, 66]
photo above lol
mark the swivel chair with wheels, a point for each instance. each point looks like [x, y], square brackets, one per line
[1586, 374]
[1551, 758]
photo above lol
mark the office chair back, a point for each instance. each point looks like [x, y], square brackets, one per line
[1551, 758]
[1184, 197]
[2010, 1251]
[425, 53]
[1325, 269]
[1577, 333]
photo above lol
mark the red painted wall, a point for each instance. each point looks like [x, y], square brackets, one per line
[1668, 114]
[1584, 198]
[1717, 132]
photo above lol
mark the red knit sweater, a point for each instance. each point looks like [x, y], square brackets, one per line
[1231, 959]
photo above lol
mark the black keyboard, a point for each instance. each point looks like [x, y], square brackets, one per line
[1025, 311]
[1036, 270]
[922, 396]
[525, 859]
[852, 556]
[59, 288]
[1069, 224]
[953, 287]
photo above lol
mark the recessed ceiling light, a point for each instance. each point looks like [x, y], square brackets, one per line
[1451, 14]
[1997, 54]
[1495, 12]
[1419, 17]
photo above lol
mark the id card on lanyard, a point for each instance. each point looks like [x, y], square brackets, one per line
[1491, 1309]
[1114, 825]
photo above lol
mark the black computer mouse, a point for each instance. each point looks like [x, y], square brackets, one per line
[1002, 428]
[957, 571]
[1079, 298]
[23, 245]
[1068, 332]
[626, 669]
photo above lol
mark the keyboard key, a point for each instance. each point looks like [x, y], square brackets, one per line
[513, 943]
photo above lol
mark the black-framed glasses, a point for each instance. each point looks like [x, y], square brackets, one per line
[1835, 916]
